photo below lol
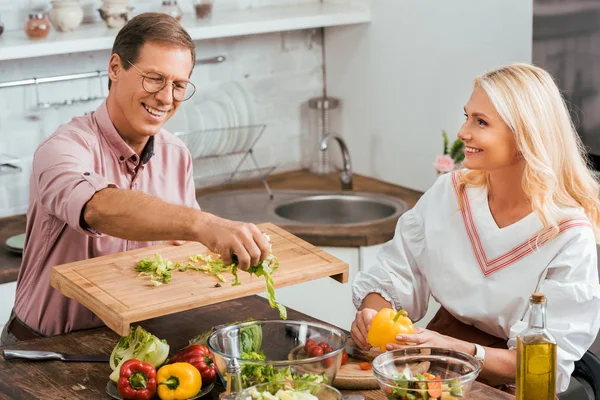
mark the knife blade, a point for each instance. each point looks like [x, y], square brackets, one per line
[358, 354]
[36, 355]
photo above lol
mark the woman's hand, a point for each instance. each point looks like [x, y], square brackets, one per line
[360, 327]
[426, 338]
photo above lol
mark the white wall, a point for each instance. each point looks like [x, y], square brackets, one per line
[281, 71]
[407, 75]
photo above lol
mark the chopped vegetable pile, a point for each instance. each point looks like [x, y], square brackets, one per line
[254, 374]
[160, 269]
[282, 394]
[424, 387]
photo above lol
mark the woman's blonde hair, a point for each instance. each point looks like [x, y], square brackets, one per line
[556, 173]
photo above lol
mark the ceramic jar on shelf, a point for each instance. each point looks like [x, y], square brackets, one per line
[37, 26]
[66, 15]
[171, 8]
[115, 13]
[203, 8]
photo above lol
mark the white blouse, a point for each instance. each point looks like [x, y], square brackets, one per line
[484, 275]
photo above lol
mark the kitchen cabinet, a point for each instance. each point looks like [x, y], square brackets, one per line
[7, 299]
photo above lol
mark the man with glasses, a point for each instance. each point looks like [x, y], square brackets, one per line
[114, 181]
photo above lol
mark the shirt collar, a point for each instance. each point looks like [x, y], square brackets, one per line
[116, 143]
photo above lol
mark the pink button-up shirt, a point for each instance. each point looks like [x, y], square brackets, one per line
[80, 158]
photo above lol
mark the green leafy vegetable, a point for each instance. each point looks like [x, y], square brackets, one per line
[159, 270]
[254, 373]
[140, 345]
[266, 269]
[251, 338]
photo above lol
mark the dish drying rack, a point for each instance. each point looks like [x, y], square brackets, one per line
[226, 155]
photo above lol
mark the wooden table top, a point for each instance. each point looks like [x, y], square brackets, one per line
[51, 380]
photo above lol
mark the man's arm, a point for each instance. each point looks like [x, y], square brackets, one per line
[133, 215]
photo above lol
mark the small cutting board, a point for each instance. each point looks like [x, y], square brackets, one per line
[350, 376]
[110, 286]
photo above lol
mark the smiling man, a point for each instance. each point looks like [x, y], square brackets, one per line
[114, 180]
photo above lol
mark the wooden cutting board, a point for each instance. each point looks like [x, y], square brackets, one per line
[111, 288]
[350, 376]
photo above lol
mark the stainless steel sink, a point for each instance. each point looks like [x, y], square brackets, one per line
[337, 209]
[298, 207]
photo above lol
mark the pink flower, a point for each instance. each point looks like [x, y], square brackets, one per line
[444, 163]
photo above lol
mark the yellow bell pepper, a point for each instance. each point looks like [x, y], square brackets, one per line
[178, 381]
[386, 325]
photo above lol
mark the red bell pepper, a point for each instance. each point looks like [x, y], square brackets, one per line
[137, 380]
[201, 358]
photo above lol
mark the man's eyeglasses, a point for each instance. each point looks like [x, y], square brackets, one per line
[153, 82]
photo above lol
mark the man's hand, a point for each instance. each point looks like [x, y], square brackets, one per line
[360, 327]
[229, 238]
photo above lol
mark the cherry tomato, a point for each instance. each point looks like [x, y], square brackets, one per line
[344, 358]
[364, 366]
[328, 362]
[316, 351]
[308, 344]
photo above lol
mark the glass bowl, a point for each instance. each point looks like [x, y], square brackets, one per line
[283, 346]
[400, 372]
[309, 390]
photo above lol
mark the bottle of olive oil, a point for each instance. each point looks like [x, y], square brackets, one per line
[536, 355]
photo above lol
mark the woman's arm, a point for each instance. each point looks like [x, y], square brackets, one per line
[499, 366]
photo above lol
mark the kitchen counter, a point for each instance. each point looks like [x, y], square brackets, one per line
[10, 262]
[318, 235]
[77, 380]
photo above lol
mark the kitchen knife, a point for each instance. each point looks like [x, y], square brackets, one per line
[360, 355]
[36, 355]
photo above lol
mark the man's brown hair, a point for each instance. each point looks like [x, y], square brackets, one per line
[150, 27]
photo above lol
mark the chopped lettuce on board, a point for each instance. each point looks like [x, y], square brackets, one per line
[265, 268]
[159, 270]
[140, 345]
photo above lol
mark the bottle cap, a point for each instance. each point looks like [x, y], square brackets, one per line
[538, 298]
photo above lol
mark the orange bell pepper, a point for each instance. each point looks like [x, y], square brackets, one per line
[386, 325]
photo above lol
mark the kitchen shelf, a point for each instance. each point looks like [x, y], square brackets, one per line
[96, 36]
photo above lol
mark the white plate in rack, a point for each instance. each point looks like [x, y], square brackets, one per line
[252, 119]
[241, 107]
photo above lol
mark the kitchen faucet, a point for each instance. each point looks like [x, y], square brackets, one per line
[346, 173]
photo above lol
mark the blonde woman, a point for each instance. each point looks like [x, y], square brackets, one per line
[522, 217]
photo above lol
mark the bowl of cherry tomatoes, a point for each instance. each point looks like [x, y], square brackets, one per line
[276, 350]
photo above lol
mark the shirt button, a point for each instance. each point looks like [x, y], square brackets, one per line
[86, 173]
[134, 158]
[121, 158]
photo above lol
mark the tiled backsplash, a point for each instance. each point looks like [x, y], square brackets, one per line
[280, 71]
